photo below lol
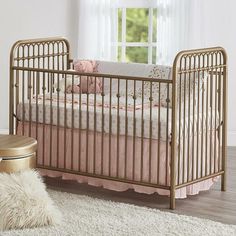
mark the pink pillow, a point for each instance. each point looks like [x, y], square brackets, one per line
[88, 83]
[85, 66]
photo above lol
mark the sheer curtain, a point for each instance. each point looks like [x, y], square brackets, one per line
[173, 30]
[96, 29]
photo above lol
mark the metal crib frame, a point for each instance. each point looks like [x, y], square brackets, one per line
[36, 65]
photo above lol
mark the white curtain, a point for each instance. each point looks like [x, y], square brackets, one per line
[173, 30]
[96, 30]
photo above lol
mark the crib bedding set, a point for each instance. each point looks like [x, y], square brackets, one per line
[82, 120]
[97, 124]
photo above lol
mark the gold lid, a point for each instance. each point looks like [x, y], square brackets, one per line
[14, 145]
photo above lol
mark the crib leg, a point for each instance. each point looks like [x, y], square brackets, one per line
[224, 167]
[172, 199]
[223, 182]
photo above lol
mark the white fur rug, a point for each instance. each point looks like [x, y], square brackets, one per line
[24, 202]
[88, 216]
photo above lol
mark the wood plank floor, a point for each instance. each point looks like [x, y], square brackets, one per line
[213, 204]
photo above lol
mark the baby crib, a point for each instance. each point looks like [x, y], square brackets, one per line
[151, 128]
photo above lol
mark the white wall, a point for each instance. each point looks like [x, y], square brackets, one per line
[221, 30]
[26, 19]
[215, 26]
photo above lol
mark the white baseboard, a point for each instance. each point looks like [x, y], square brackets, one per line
[4, 131]
[231, 138]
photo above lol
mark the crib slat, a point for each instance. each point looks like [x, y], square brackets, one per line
[80, 126]
[193, 110]
[72, 122]
[180, 119]
[189, 114]
[95, 125]
[206, 122]
[159, 133]
[167, 135]
[17, 94]
[198, 111]
[219, 111]
[184, 116]
[87, 125]
[64, 55]
[110, 128]
[215, 94]
[211, 110]
[142, 133]
[126, 126]
[51, 116]
[102, 143]
[29, 97]
[44, 114]
[150, 132]
[202, 114]
[118, 131]
[38, 84]
[134, 131]
[23, 91]
[65, 121]
[58, 119]
[58, 56]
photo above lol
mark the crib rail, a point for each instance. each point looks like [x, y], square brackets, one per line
[46, 94]
[166, 134]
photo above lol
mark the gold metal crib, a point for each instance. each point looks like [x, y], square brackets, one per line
[192, 149]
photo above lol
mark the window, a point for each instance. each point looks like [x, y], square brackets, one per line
[137, 31]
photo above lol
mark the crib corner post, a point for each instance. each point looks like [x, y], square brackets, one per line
[172, 172]
[223, 182]
[172, 198]
[11, 88]
[173, 134]
[225, 111]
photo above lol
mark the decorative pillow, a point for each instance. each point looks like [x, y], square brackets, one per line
[89, 84]
[85, 66]
[123, 69]
[24, 202]
[68, 81]
[134, 70]
[156, 72]
[166, 91]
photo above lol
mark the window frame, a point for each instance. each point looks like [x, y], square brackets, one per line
[123, 5]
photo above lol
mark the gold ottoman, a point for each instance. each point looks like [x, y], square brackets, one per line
[17, 153]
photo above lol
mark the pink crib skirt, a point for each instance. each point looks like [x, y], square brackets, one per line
[105, 163]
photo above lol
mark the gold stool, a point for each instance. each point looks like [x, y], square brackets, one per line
[17, 153]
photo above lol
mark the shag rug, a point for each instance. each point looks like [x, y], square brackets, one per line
[84, 215]
[24, 202]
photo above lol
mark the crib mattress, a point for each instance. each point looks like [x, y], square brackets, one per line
[88, 112]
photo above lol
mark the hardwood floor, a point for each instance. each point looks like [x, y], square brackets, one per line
[213, 204]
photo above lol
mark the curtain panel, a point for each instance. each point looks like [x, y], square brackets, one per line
[174, 19]
[98, 27]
